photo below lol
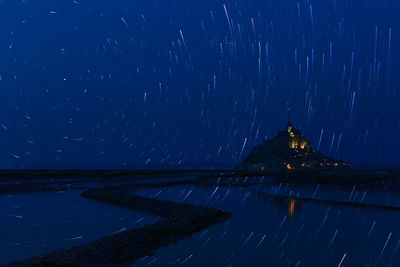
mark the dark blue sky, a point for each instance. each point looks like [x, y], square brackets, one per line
[166, 83]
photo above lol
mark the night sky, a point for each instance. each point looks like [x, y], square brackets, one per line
[166, 84]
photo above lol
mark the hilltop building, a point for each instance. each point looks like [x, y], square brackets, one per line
[288, 150]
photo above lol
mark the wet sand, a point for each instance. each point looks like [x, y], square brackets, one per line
[126, 247]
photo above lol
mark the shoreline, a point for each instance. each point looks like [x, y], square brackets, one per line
[182, 220]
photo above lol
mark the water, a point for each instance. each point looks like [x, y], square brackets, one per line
[267, 231]
[35, 223]
[355, 194]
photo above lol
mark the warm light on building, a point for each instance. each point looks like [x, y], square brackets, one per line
[294, 143]
[288, 166]
[303, 144]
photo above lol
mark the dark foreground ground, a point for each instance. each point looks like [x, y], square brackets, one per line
[181, 220]
[126, 247]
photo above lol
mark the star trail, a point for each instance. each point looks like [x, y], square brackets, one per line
[165, 83]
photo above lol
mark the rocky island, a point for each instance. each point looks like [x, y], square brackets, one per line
[288, 150]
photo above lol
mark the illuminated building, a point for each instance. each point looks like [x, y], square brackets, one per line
[289, 150]
[297, 140]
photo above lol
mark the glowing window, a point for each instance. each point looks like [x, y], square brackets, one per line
[303, 144]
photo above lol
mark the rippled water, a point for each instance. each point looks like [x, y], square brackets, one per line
[268, 231]
[35, 223]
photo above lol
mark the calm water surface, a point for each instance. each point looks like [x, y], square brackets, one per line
[35, 223]
[267, 231]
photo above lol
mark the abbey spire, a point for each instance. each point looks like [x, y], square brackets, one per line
[289, 124]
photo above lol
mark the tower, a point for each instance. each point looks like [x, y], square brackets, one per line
[289, 126]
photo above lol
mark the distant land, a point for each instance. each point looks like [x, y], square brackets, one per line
[288, 150]
[133, 166]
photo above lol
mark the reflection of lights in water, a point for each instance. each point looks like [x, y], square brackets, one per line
[291, 208]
